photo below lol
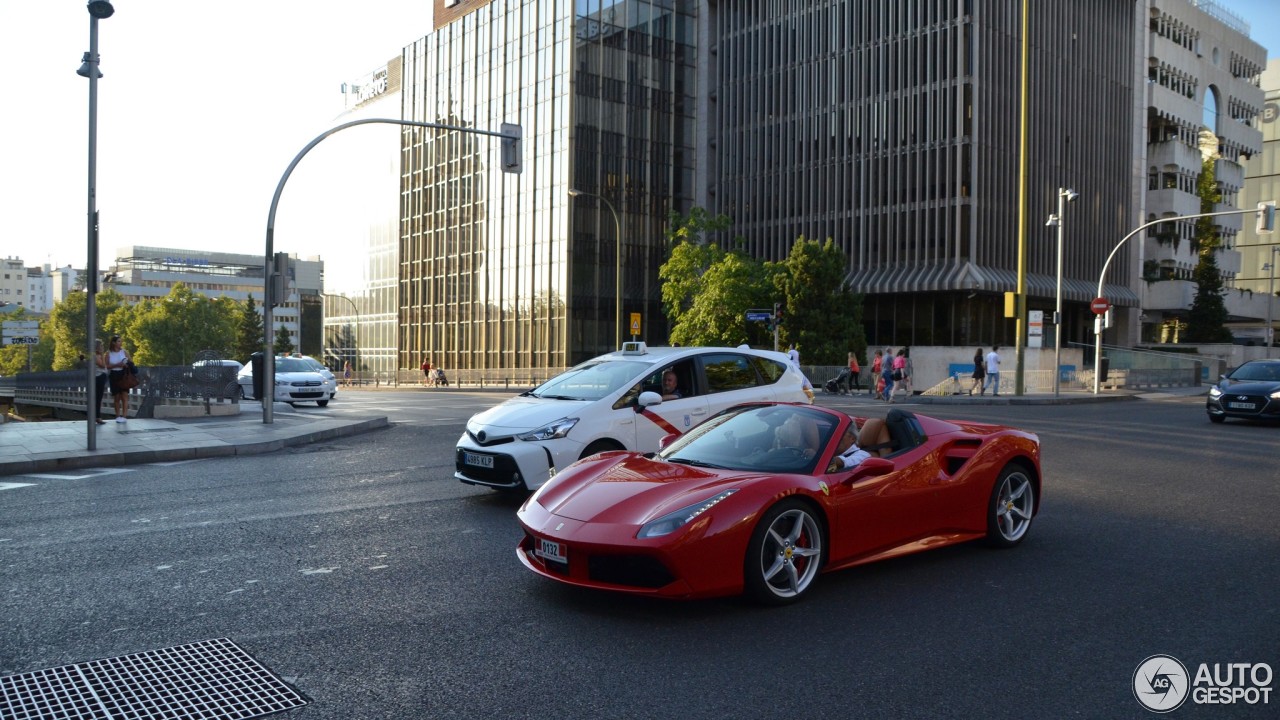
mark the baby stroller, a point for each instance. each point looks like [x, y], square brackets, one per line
[438, 378]
[834, 385]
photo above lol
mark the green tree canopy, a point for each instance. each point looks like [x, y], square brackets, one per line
[1207, 318]
[66, 326]
[283, 343]
[822, 316]
[249, 337]
[172, 329]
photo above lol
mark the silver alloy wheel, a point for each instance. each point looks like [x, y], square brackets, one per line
[791, 553]
[1015, 503]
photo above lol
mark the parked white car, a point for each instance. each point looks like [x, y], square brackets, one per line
[296, 382]
[613, 402]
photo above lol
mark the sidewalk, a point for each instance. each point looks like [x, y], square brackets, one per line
[1065, 397]
[29, 447]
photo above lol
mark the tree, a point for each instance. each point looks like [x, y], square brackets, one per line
[690, 257]
[283, 343]
[65, 327]
[823, 317]
[729, 287]
[249, 337]
[172, 329]
[1207, 318]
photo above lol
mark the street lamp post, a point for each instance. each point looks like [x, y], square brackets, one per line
[1271, 296]
[98, 9]
[617, 229]
[357, 330]
[1065, 195]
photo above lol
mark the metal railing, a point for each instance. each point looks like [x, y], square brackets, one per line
[164, 385]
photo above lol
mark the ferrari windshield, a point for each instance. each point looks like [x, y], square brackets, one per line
[590, 380]
[757, 438]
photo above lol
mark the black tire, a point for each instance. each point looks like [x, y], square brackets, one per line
[1011, 507]
[322, 403]
[600, 446]
[785, 554]
[1217, 418]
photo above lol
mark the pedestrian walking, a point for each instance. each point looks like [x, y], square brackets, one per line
[979, 373]
[993, 370]
[876, 385]
[426, 372]
[886, 372]
[853, 383]
[346, 373]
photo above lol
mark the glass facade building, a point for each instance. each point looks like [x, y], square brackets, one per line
[503, 271]
[892, 128]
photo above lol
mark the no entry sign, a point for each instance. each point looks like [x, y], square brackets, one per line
[1100, 306]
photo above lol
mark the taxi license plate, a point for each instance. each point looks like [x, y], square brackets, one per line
[1240, 406]
[484, 461]
[550, 550]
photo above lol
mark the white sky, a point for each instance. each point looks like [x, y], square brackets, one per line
[201, 108]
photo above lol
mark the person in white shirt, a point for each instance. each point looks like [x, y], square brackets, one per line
[874, 439]
[993, 371]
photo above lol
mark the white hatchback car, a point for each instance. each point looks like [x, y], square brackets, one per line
[613, 402]
[296, 382]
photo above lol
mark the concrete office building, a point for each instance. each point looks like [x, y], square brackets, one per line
[13, 282]
[892, 128]
[1260, 254]
[146, 273]
[1203, 97]
[506, 271]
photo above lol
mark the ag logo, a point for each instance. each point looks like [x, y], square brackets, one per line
[1160, 683]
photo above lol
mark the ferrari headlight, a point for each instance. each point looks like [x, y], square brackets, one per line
[550, 431]
[671, 522]
[1214, 392]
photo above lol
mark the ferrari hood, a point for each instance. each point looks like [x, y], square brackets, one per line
[524, 413]
[630, 489]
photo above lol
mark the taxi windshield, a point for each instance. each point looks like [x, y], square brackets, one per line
[590, 380]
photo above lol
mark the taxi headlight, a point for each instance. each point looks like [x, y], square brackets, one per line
[550, 431]
[1214, 392]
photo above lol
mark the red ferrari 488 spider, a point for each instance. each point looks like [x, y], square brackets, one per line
[757, 499]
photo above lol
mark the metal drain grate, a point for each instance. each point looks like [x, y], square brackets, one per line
[208, 680]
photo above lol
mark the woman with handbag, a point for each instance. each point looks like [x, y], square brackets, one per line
[121, 378]
[99, 378]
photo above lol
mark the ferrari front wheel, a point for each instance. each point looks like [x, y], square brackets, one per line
[785, 553]
[1013, 503]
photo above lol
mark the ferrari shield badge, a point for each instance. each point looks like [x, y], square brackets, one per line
[825, 490]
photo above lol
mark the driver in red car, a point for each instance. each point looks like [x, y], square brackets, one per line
[850, 452]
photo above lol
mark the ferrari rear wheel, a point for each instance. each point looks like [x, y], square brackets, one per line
[785, 553]
[1013, 502]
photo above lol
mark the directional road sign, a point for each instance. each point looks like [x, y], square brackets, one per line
[28, 340]
[759, 315]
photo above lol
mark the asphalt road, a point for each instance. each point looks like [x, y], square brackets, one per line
[380, 587]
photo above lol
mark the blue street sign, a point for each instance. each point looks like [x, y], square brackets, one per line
[759, 316]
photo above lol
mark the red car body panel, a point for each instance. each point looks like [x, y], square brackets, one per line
[929, 496]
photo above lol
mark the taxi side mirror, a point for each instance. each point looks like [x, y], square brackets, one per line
[667, 440]
[646, 399]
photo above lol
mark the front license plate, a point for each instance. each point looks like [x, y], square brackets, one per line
[1241, 406]
[552, 551]
[484, 461]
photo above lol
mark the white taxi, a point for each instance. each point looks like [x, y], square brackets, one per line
[615, 402]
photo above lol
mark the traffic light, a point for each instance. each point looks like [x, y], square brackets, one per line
[777, 314]
[1266, 218]
[279, 279]
[512, 147]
